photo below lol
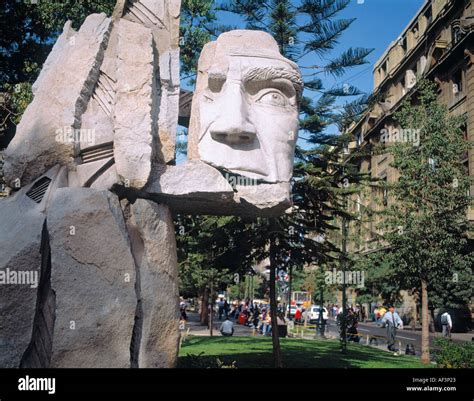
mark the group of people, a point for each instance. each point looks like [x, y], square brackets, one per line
[358, 310]
[252, 315]
[258, 317]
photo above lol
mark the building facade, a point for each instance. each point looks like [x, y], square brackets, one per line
[438, 44]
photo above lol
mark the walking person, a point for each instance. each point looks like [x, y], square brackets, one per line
[281, 323]
[393, 322]
[447, 324]
[226, 309]
[266, 322]
[255, 316]
[220, 306]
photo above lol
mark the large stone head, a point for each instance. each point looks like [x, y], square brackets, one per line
[244, 116]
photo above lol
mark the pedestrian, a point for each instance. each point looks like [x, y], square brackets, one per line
[226, 309]
[263, 317]
[182, 309]
[298, 315]
[447, 324]
[281, 323]
[227, 328]
[393, 322]
[239, 311]
[266, 321]
[220, 306]
[256, 314]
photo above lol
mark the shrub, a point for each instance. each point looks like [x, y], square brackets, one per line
[201, 361]
[454, 355]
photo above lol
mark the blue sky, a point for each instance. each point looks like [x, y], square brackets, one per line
[377, 24]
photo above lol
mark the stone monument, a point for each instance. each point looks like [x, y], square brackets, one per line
[88, 269]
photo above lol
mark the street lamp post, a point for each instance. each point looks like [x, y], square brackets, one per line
[344, 295]
[321, 309]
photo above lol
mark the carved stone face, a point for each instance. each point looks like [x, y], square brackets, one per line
[247, 101]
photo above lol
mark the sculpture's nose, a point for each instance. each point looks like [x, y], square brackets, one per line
[232, 125]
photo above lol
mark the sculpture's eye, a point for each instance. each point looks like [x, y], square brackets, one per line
[274, 98]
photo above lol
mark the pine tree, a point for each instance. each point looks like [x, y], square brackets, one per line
[309, 29]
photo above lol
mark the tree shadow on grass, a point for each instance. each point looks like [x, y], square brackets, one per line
[256, 352]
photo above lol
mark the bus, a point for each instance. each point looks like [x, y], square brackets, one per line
[301, 298]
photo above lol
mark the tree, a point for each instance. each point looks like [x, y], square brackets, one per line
[209, 256]
[304, 30]
[426, 226]
[27, 34]
[308, 30]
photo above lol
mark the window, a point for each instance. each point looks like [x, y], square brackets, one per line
[429, 15]
[457, 34]
[403, 86]
[416, 31]
[383, 70]
[385, 194]
[358, 205]
[457, 82]
[402, 42]
[410, 77]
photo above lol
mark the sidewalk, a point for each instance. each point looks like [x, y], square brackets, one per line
[458, 337]
[195, 328]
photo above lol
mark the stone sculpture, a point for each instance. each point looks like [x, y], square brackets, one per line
[245, 111]
[92, 164]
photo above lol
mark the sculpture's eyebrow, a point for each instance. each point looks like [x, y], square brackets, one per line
[271, 73]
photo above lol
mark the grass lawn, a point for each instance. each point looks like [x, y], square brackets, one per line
[256, 352]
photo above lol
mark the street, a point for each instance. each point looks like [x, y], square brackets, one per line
[405, 336]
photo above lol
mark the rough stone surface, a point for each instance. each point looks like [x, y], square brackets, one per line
[169, 106]
[93, 276]
[265, 197]
[154, 248]
[19, 247]
[62, 91]
[197, 188]
[149, 13]
[191, 179]
[134, 121]
[21, 221]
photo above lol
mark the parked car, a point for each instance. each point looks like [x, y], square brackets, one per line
[314, 313]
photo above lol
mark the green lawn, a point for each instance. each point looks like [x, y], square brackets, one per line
[256, 352]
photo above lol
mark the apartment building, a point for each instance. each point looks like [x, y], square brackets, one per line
[438, 43]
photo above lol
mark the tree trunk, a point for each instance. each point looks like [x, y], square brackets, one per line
[289, 292]
[273, 307]
[204, 315]
[211, 312]
[415, 317]
[432, 321]
[425, 321]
